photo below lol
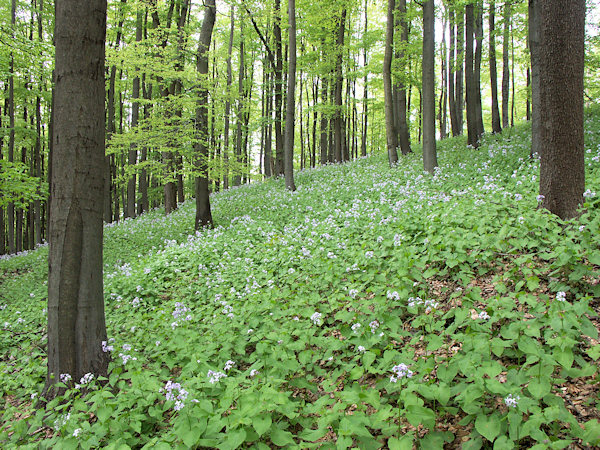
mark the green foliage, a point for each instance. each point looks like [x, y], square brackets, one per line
[487, 300]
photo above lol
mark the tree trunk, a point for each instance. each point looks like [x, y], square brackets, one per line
[496, 128]
[472, 136]
[135, 115]
[227, 101]
[402, 129]
[451, 74]
[237, 179]
[76, 324]
[390, 121]
[339, 81]
[290, 114]
[324, 121]
[505, 67]
[10, 209]
[279, 157]
[561, 63]
[203, 212]
[460, 58]
[534, 45]
[363, 146]
[428, 82]
[477, 68]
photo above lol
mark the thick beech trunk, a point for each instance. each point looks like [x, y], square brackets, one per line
[76, 324]
[561, 59]
[428, 82]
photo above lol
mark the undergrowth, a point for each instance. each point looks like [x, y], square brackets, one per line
[372, 307]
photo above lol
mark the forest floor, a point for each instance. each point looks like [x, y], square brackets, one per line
[371, 308]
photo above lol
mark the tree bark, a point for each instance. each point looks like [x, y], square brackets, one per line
[496, 127]
[402, 129]
[135, 116]
[561, 59]
[472, 136]
[203, 211]
[505, 65]
[390, 121]
[363, 146]
[339, 81]
[534, 45]
[451, 72]
[10, 209]
[228, 101]
[290, 115]
[324, 122]
[279, 170]
[428, 82]
[460, 59]
[477, 68]
[76, 324]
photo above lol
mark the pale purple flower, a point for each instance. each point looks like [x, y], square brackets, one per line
[229, 365]
[401, 371]
[214, 377]
[561, 296]
[316, 318]
[512, 400]
[65, 377]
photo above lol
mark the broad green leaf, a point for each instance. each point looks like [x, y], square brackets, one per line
[488, 426]
[538, 387]
[261, 424]
[417, 415]
[281, 437]
[404, 443]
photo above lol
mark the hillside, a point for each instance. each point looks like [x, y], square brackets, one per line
[372, 307]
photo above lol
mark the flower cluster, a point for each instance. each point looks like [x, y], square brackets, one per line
[561, 296]
[229, 365]
[353, 293]
[181, 313]
[374, 325]
[86, 379]
[106, 347]
[401, 371]
[356, 327]
[428, 304]
[393, 295]
[316, 318]
[174, 391]
[512, 400]
[65, 378]
[484, 315]
[214, 377]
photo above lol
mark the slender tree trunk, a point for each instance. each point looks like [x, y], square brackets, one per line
[443, 103]
[390, 121]
[534, 45]
[472, 136]
[76, 324]
[324, 121]
[429, 145]
[496, 127]
[290, 114]
[37, 204]
[228, 101]
[561, 63]
[135, 115]
[279, 157]
[363, 147]
[10, 209]
[237, 179]
[203, 211]
[477, 68]
[505, 67]
[268, 152]
[451, 72]
[339, 81]
[460, 63]
[402, 129]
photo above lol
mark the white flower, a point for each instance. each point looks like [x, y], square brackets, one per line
[316, 318]
[540, 198]
[561, 296]
[157, 343]
[65, 377]
[355, 327]
[369, 254]
[512, 401]
[107, 348]
[77, 432]
[229, 364]
[353, 293]
[401, 371]
[393, 295]
[484, 315]
[360, 348]
[254, 372]
[374, 325]
[250, 331]
[214, 377]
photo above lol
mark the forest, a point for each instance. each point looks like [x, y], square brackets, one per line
[305, 224]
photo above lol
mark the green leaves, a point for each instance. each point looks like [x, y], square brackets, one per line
[488, 426]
